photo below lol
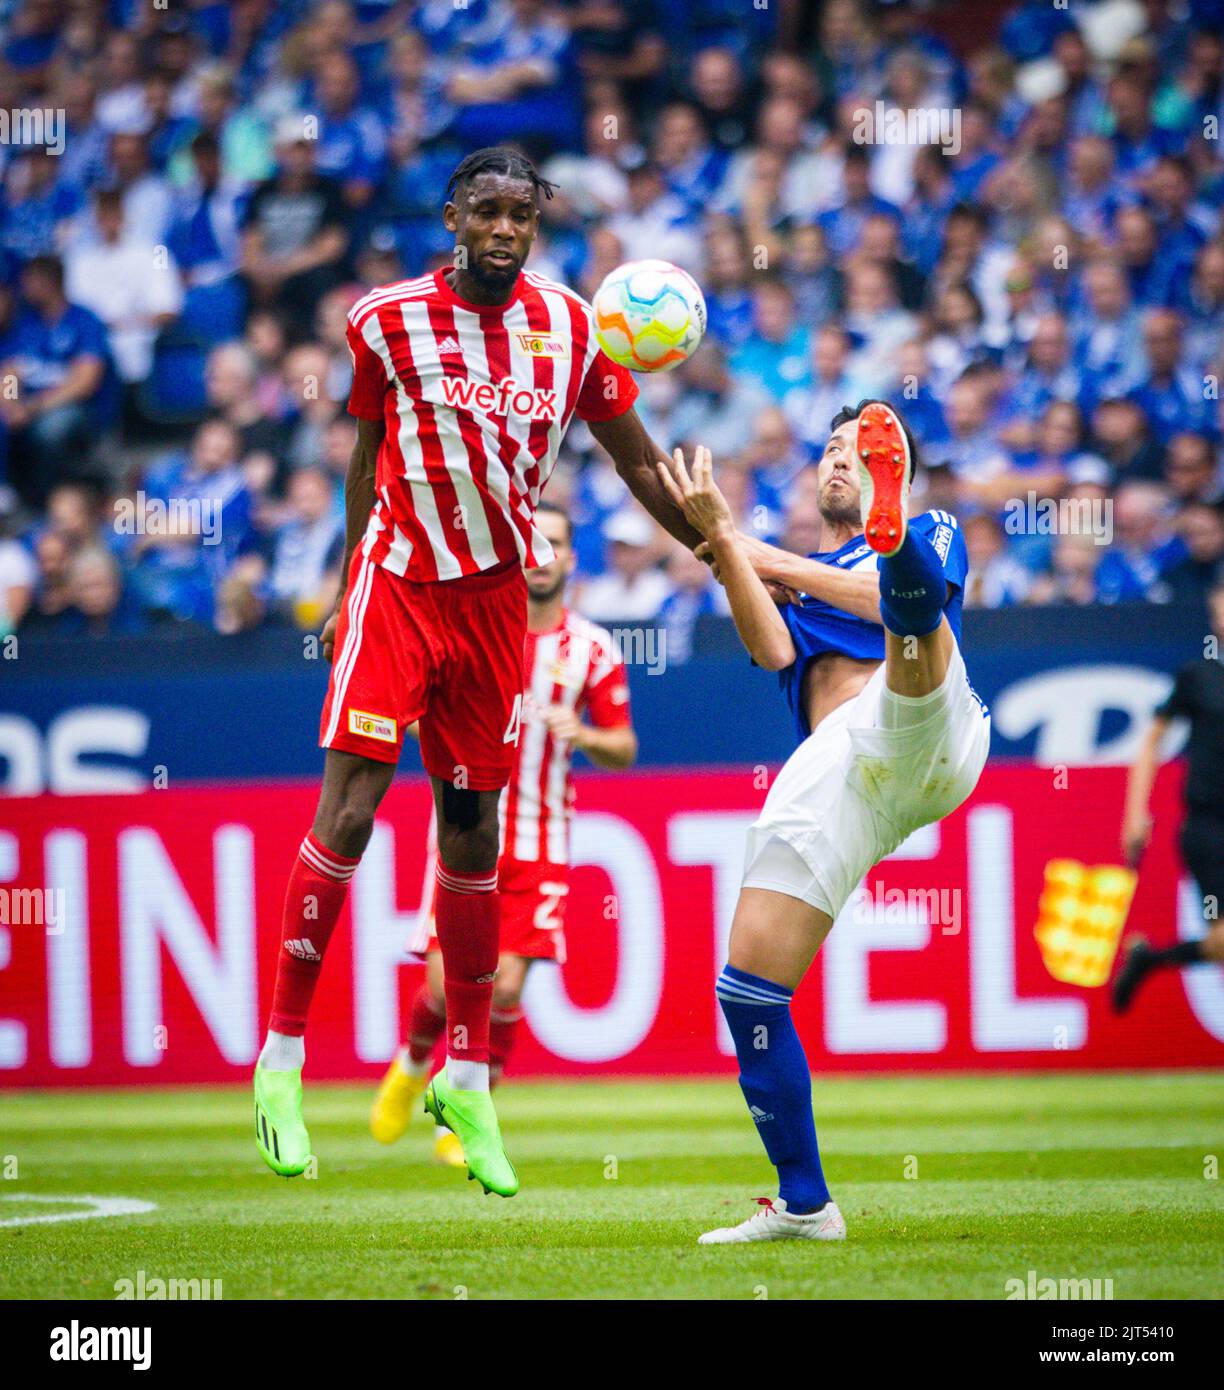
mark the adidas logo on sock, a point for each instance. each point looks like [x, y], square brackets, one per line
[759, 1116]
[303, 950]
[448, 344]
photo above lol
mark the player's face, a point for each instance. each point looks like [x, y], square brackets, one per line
[837, 475]
[545, 582]
[495, 220]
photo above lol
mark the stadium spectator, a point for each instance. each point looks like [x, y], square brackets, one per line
[147, 197]
[18, 577]
[1170, 395]
[98, 604]
[295, 231]
[996, 578]
[694, 593]
[130, 284]
[1144, 548]
[203, 240]
[1200, 526]
[304, 569]
[57, 355]
[655, 222]
[187, 523]
[634, 588]
[774, 354]
[40, 206]
[1191, 469]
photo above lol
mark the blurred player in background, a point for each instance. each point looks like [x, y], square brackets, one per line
[893, 737]
[572, 670]
[464, 382]
[1198, 696]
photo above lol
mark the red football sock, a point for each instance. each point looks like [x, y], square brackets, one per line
[425, 1024]
[317, 888]
[468, 917]
[503, 1029]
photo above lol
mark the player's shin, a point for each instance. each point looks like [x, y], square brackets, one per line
[503, 1030]
[468, 919]
[426, 1021]
[776, 1083]
[314, 898]
[912, 588]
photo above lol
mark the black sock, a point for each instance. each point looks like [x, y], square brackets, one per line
[1184, 953]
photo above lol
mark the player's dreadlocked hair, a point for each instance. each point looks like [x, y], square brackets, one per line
[852, 412]
[498, 159]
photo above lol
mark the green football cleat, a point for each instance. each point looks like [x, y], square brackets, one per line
[280, 1134]
[472, 1117]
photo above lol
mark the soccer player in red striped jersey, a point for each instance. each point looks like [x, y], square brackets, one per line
[575, 698]
[464, 382]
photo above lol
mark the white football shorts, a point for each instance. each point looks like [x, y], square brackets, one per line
[870, 774]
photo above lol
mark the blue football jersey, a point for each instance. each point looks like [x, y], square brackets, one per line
[817, 627]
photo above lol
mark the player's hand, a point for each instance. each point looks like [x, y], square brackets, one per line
[328, 635]
[1136, 832]
[561, 722]
[698, 497]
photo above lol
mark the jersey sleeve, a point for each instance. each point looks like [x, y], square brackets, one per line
[608, 390]
[369, 387]
[948, 542]
[1179, 702]
[607, 689]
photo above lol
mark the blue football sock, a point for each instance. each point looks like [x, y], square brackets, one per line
[776, 1083]
[912, 588]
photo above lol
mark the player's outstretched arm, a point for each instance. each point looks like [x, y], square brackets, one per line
[637, 458]
[858, 594]
[761, 627]
[358, 504]
[1136, 821]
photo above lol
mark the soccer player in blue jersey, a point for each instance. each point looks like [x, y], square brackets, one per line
[891, 737]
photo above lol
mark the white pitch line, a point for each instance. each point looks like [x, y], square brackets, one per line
[100, 1206]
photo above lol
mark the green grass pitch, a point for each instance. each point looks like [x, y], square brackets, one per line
[950, 1186]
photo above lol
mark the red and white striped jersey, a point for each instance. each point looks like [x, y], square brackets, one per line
[476, 400]
[577, 665]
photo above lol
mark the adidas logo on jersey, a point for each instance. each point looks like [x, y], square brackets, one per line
[303, 949]
[449, 344]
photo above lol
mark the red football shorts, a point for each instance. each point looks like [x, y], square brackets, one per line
[448, 653]
[532, 897]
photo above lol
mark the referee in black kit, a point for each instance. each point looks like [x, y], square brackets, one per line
[1197, 695]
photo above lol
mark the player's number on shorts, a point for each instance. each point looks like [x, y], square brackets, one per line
[516, 718]
[547, 911]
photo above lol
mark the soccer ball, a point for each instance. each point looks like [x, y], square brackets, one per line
[649, 315]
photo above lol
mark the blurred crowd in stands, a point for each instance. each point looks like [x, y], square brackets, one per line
[1037, 282]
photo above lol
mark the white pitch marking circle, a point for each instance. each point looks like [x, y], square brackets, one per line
[98, 1206]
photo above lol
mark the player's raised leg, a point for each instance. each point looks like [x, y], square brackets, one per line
[913, 589]
[353, 786]
[774, 938]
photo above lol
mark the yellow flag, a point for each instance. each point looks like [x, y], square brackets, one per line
[1080, 918]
